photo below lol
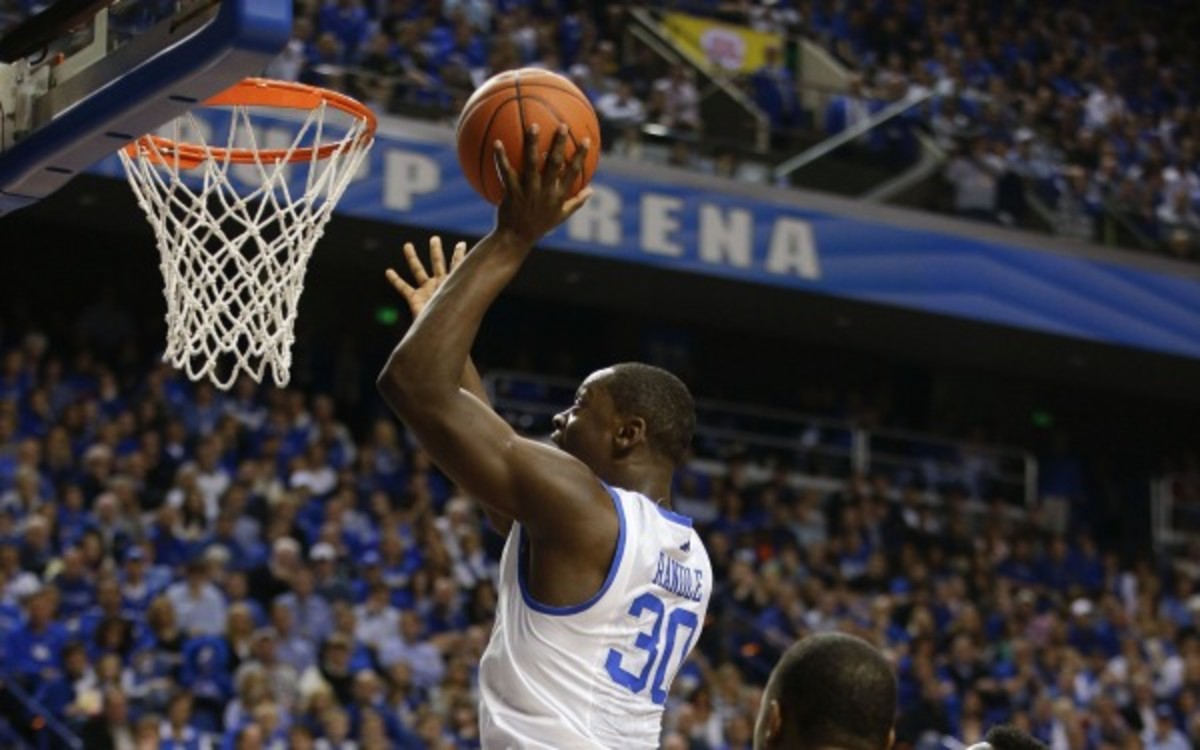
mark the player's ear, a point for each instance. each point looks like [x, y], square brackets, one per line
[630, 432]
[774, 724]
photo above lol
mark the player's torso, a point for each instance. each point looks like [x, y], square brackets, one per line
[597, 675]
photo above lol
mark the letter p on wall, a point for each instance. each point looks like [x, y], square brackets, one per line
[407, 175]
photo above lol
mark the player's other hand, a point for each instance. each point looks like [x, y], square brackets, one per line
[538, 198]
[425, 282]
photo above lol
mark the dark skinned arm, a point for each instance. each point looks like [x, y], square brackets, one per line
[417, 297]
[563, 505]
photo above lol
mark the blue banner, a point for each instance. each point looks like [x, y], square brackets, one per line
[664, 218]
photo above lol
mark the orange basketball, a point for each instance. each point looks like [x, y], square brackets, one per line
[504, 107]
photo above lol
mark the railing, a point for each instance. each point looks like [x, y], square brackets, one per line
[1175, 521]
[818, 448]
[30, 718]
[931, 160]
[897, 108]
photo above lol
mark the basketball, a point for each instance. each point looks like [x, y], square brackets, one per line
[504, 107]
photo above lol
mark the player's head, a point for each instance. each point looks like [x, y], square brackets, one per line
[829, 691]
[628, 408]
[1008, 737]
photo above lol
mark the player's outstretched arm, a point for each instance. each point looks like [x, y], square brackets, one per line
[556, 496]
[417, 295]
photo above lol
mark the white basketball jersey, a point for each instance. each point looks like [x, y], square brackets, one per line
[596, 675]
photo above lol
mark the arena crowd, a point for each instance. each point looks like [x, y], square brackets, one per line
[191, 568]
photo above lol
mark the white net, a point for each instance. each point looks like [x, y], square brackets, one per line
[235, 239]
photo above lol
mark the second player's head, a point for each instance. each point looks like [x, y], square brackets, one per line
[1009, 737]
[626, 410]
[829, 692]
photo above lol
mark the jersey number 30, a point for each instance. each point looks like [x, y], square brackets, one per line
[651, 643]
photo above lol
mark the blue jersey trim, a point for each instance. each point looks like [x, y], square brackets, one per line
[674, 517]
[574, 609]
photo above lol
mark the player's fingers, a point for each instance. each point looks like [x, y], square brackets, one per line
[399, 284]
[508, 177]
[460, 252]
[576, 202]
[437, 258]
[558, 148]
[531, 172]
[575, 168]
[414, 264]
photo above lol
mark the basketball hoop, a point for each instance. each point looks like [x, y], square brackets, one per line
[235, 224]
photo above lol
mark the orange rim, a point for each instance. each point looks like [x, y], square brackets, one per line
[258, 92]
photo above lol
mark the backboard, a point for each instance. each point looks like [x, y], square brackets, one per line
[82, 78]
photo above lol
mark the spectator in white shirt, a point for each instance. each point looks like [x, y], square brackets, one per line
[328, 581]
[1104, 105]
[680, 99]
[313, 472]
[211, 477]
[421, 656]
[281, 677]
[621, 108]
[311, 613]
[289, 63]
[1176, 212]
[621, 116]
[377, 620]
[975, 177]
[198, 604]
[292, 648]
[1164, 734]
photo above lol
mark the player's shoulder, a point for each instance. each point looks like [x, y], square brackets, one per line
[655, 523]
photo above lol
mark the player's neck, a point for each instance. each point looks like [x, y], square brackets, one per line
[651, 481]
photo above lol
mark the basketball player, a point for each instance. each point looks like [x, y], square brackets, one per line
[829, 691]
[603, 589]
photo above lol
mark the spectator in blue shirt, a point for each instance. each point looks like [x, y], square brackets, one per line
[108, 605]
[170, 549]
[137, 588]
[77, 591]
[33, 650]
[775, 90]
[409, 646]
[61, 696]
[311, 614]
[348, 21]
[73, 518]
[370, 699]
[444, 611]
[206, 675]
[177, 731]
[1164, 734]
[293, 649]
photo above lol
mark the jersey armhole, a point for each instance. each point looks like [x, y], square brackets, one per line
[574, 609]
